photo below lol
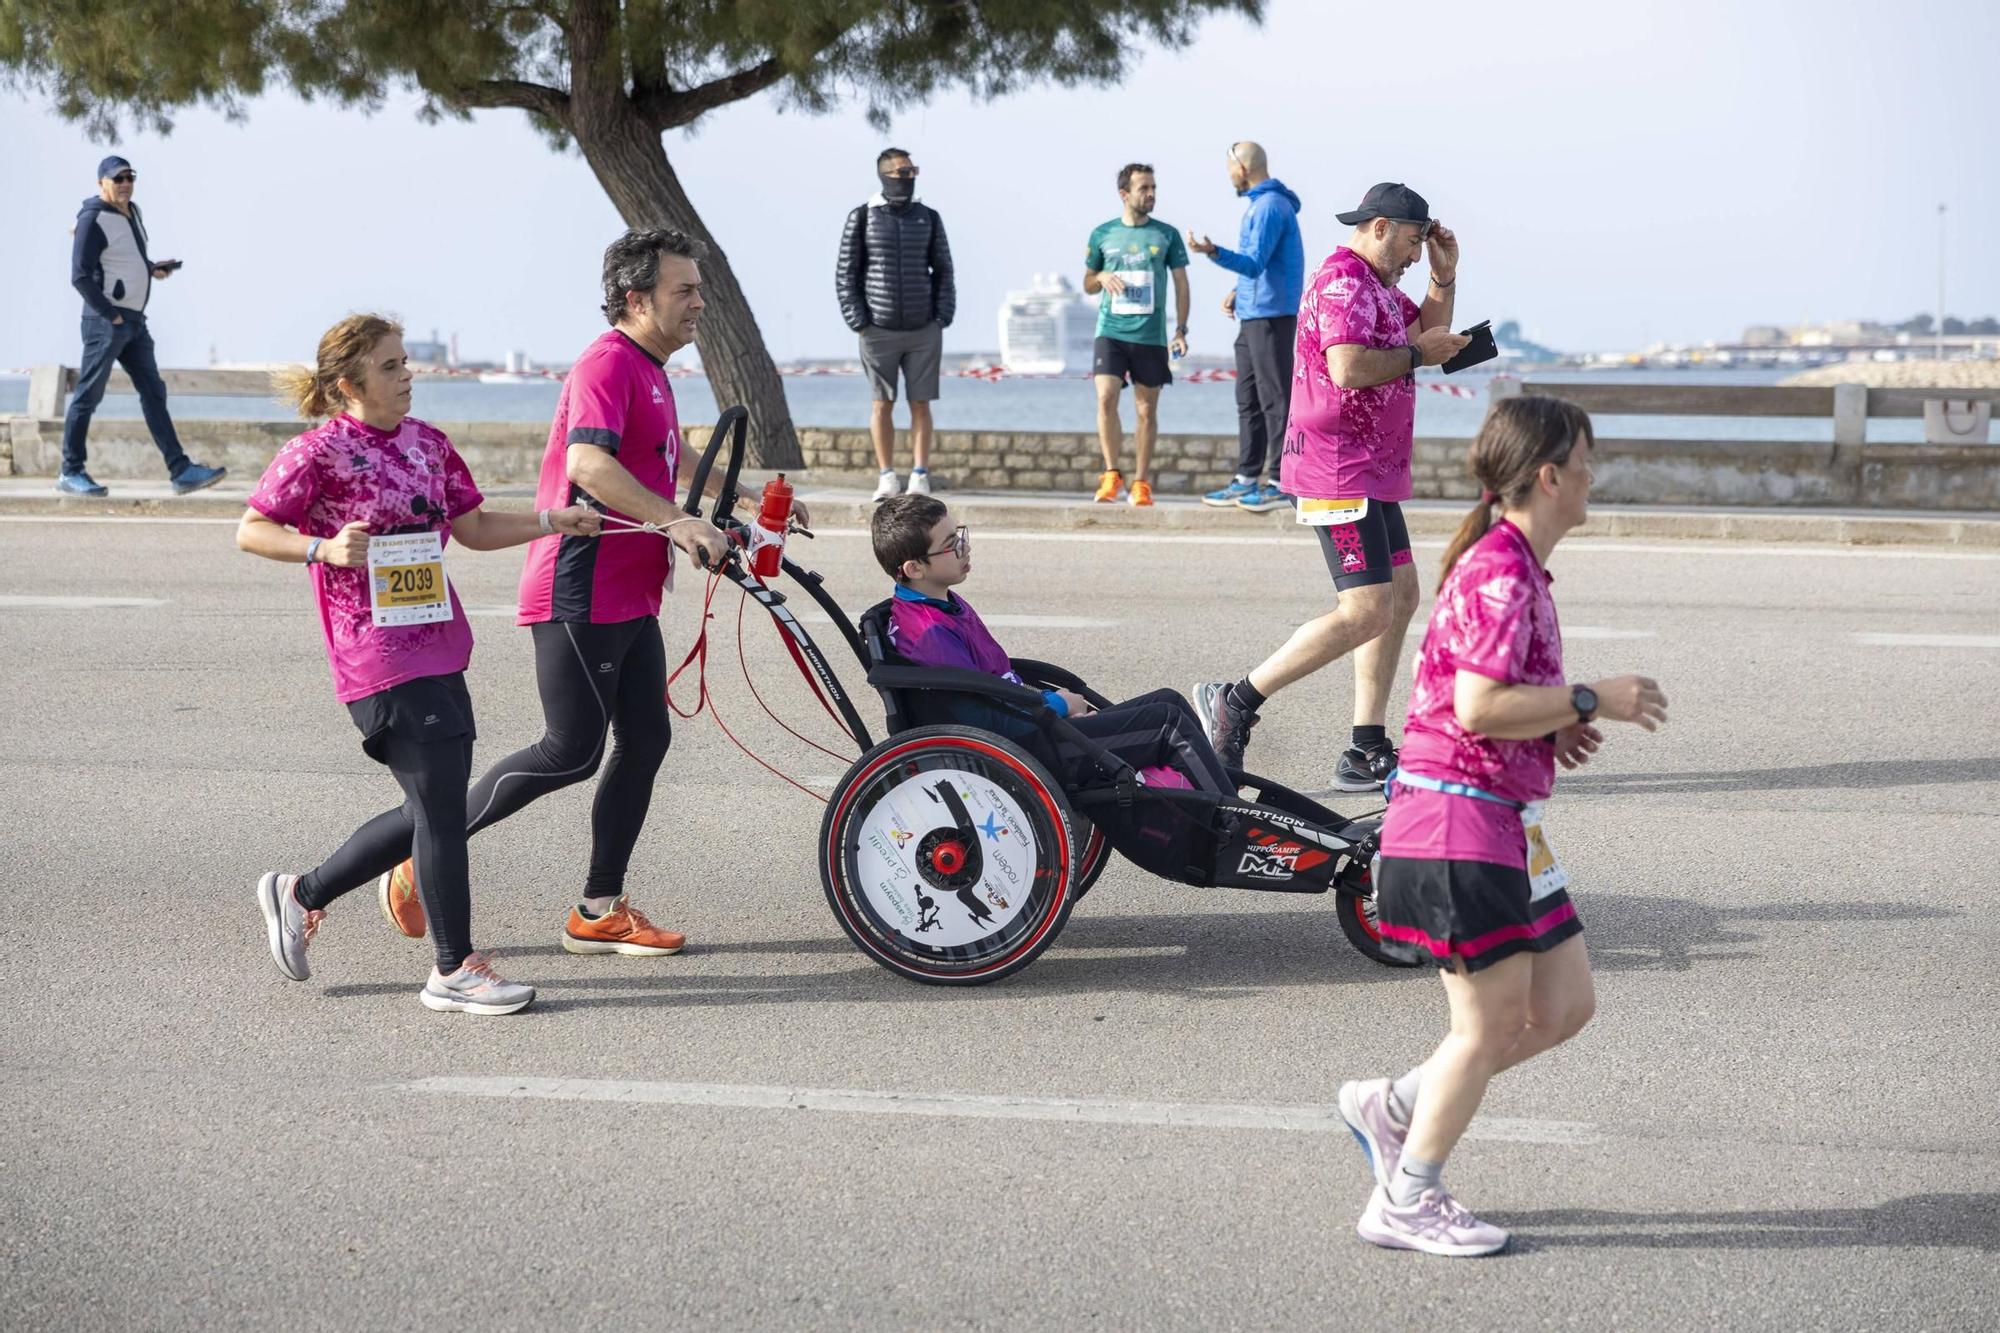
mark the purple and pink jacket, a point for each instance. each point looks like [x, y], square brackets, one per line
[949, 633]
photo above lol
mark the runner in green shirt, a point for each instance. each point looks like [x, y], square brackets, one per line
[1125, 266]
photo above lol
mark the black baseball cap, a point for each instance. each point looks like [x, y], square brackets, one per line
[111, 166]
[1390, 199]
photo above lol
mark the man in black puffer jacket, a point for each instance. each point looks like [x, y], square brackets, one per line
[896, 290]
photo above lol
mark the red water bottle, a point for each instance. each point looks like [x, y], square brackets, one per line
[773, 517]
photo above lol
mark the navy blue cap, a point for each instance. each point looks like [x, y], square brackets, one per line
[1392, 200]
[111, 166]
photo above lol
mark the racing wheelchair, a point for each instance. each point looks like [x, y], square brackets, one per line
[951, 855]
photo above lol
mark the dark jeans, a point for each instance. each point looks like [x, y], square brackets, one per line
[130, 345]
[1263, 389]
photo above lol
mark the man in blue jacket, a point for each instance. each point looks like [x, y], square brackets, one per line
[110, 269]
[1270, 264]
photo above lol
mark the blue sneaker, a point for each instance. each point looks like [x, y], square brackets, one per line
[1230, 495]
[1263, 499]
[194, 477]
[79, 483]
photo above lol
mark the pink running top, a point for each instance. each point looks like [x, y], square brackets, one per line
[1348, 443]
[616, 398]
[1495, 617]
[406, 480]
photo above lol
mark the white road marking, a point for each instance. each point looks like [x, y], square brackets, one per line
[1576, 545]
[113, 518]
[1928, 640]
[13, 602]
[810, 614]
[1600, 632]
[1071, 1110]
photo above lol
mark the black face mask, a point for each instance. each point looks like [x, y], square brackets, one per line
[899, 190]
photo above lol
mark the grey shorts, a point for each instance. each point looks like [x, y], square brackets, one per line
[915, 354]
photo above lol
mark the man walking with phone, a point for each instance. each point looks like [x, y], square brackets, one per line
[110, 269]
[1347, 463]
[1269, 262]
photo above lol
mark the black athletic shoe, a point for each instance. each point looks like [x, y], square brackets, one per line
[1228, 726]
[1364, 770]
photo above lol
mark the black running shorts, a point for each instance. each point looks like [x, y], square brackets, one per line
[1139, 363]
[1368, 551]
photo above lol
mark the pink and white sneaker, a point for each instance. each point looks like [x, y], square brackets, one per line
[1365, 1108]
[1435, 1224]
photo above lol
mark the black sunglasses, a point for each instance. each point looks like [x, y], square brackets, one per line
[126, 177]
[902, 173]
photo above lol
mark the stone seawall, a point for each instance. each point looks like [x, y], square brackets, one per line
[1667, 472]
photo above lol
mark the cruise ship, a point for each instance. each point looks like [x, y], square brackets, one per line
[1048, 329]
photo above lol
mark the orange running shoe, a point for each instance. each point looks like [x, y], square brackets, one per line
[1142, 494]
[1107, 486]
[401, 902]
[623, 929]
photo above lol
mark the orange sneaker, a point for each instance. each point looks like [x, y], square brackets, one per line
[1142, 494]
[1107, 486]
[401, 902]
[623, 929]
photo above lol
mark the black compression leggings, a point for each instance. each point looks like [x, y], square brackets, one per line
[430, 825]
[592, 678]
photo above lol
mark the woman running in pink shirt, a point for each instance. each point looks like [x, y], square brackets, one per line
[369, 499]
[1467, 879]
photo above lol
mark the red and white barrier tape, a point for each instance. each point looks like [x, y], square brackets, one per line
[987, 374]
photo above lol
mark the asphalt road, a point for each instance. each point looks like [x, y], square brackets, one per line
[1783, 1116]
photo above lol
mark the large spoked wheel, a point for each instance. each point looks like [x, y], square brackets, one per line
[947, 856]
[1357, 920]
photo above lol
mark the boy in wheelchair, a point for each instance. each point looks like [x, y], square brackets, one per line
[927, 553]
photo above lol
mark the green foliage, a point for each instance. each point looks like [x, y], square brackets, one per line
[99, 60]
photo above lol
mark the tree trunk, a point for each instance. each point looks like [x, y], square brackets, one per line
[631, 164]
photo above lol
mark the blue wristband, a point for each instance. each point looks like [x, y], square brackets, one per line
[312, 548]
[1056, 703]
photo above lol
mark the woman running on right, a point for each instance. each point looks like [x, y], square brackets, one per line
[1466, 878]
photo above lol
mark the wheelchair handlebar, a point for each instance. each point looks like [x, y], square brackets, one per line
[733, 425]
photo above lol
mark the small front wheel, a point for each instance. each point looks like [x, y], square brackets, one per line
[946, 855]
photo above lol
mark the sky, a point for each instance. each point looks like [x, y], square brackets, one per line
[1654, 170]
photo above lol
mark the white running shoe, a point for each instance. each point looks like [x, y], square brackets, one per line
[475, 989]
[887, 487]
[1435, 1224]
[289, 925]
[920, 484]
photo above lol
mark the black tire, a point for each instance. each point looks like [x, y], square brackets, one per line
[1096, 855]
[994, 904]
[1357, 922]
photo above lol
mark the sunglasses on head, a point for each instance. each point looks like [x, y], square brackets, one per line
[126, 177]
[960, 544]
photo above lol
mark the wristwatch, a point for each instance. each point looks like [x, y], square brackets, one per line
[1416, 357]
[1584, 700]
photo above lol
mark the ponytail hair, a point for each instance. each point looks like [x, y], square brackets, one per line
[1518, 436]
[314, 391]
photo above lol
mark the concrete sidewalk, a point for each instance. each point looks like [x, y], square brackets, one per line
[840, 507]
